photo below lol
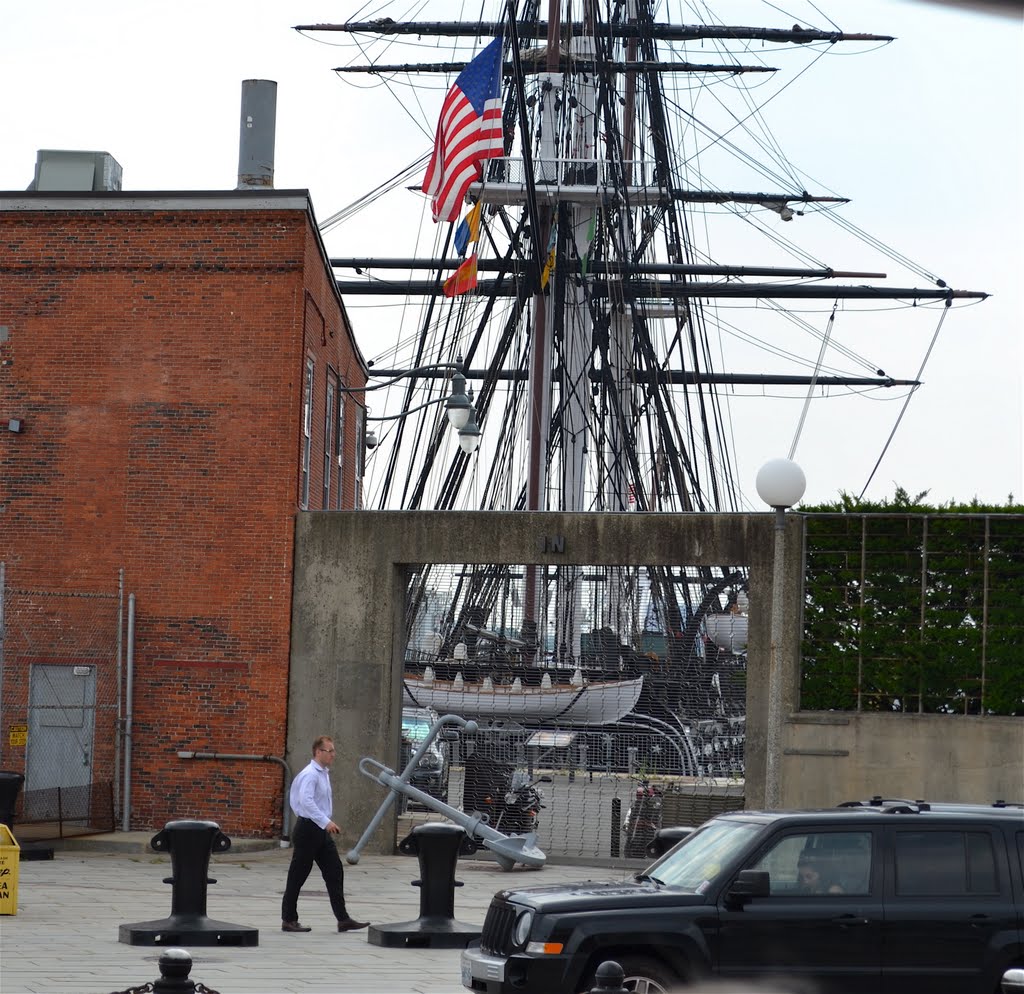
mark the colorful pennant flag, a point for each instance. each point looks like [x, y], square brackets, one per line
[548, 269]
[549, 264]
[468, 132]
[463, 279]
[469, 231]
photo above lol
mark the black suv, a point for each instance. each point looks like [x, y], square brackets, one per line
[875, 897]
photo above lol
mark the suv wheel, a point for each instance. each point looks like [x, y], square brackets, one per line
[644, 975]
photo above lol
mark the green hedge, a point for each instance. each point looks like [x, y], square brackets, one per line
[901, 613]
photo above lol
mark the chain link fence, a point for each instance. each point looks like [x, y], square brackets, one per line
[611, 714]
[916, 613]
[60, 690]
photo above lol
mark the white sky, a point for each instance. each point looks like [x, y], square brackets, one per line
[923, 135]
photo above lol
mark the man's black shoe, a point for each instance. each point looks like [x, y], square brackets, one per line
[347, 924]
[294, 927]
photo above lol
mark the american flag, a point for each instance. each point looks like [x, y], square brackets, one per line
[468, 132]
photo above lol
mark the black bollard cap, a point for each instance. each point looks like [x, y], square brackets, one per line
[608, 979]
[175, 966]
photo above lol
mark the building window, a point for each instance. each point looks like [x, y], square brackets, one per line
[340, 443]
[328, 440]
[307, 433]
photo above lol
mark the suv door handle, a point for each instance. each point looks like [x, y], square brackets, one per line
[846, 920]
[979, 919]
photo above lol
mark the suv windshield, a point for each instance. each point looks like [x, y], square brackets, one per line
[696, 864]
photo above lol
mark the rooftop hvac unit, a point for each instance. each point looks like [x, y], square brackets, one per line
[57, 169]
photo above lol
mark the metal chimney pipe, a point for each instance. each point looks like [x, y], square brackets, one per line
[256, 134]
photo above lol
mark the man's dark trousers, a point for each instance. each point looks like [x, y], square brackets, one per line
[312, 844]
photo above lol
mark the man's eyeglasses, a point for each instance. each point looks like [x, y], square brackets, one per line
[322, 749]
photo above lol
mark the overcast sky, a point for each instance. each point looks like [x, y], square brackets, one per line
[923, 135]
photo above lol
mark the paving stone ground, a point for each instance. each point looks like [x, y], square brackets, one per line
[64, 937]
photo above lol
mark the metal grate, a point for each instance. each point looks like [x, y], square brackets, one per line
[496, 937]
[64, 812]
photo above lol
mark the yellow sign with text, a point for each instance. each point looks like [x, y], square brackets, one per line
[17, 735]
[10, 856]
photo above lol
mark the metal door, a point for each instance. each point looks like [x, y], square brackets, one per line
[61, 721]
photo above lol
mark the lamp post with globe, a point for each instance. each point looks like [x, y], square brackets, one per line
[780, 484]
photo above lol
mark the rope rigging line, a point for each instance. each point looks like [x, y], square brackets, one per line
[350, 210]
[906, 402]
[814, 379]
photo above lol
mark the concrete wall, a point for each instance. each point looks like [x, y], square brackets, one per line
[347, 653]
[347, 650]
[834, 757]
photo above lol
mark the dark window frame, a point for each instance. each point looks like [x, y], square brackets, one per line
[307, 430]
[329, 421]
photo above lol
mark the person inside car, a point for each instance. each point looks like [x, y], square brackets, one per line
[812, 877]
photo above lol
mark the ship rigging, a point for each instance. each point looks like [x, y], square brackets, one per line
[594, 337]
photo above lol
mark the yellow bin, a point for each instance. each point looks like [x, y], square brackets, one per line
[10, 861]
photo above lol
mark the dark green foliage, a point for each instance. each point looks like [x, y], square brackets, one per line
[911, 607]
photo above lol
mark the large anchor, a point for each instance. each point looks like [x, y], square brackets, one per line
[508, 849]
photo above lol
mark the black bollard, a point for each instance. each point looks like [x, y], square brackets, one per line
[616, 837]
[175, 967]
[190, 844]
[438, 846]
[665, 838]
[608, 979]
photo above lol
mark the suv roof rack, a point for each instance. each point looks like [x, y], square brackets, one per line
[890, 805]
[900, 805]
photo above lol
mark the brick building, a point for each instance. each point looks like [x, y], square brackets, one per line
[172, 368]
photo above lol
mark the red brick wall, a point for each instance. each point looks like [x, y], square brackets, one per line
[157, 360]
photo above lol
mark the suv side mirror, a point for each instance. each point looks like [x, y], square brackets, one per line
[749, 884]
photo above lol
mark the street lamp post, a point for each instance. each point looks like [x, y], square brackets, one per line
[780, 484]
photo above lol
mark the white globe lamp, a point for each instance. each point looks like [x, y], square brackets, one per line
[469, 434]
[458, 406]
[780, 483]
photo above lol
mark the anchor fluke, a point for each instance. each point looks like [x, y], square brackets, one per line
[508, 849]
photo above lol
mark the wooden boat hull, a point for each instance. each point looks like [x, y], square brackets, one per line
[596, 703]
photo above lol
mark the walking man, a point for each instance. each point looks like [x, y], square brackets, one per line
[311, 800]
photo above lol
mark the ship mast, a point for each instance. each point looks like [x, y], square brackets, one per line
[539, 391]
[597, 182]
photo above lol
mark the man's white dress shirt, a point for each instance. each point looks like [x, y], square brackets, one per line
[310, 795]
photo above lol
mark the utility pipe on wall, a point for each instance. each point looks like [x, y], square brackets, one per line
[188, 754]
[120, 687]
[126, 798]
